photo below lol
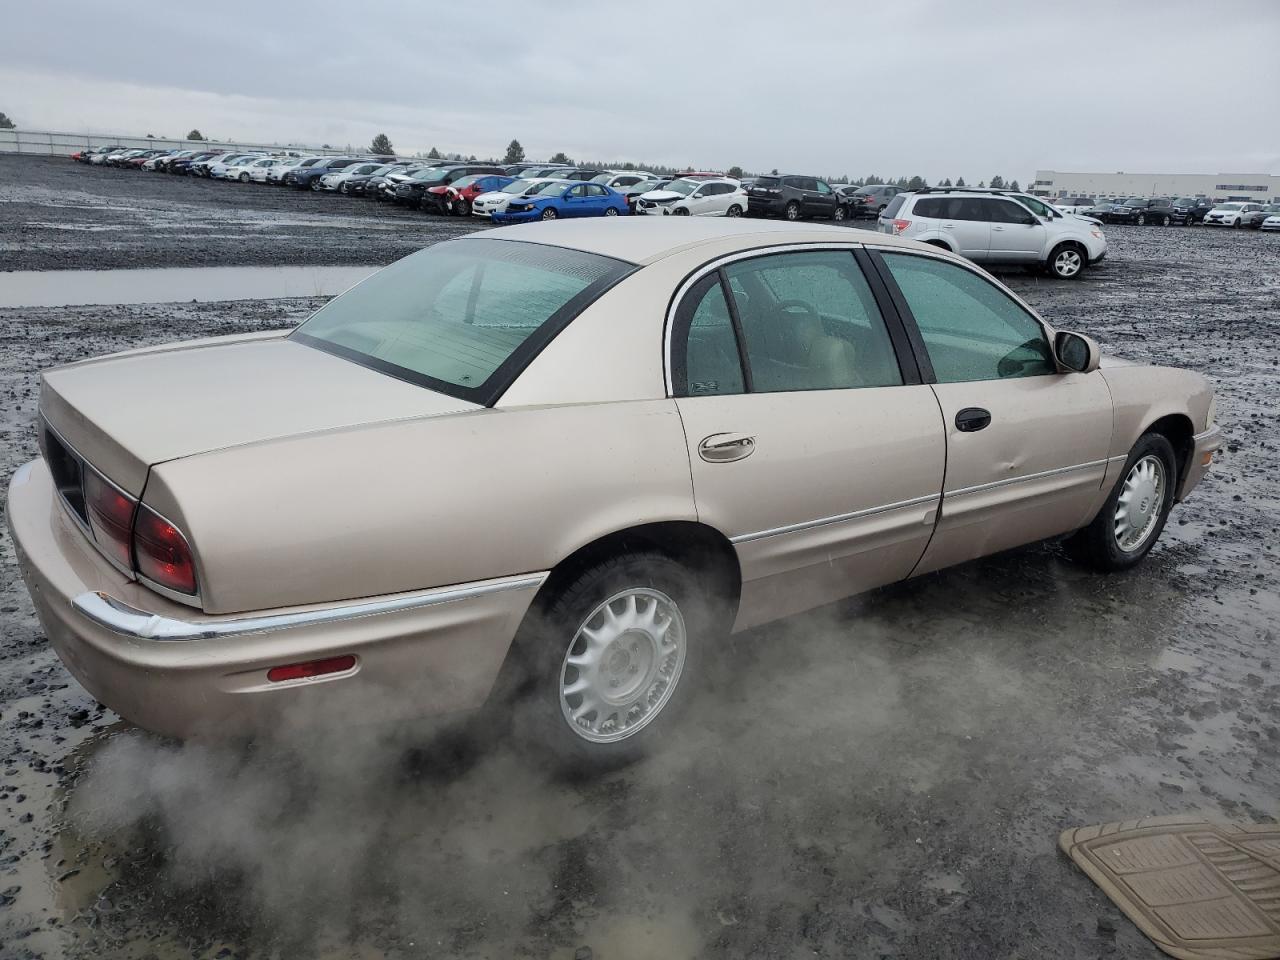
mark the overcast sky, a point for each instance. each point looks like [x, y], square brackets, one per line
[894, 88]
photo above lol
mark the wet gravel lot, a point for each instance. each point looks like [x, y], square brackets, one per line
[881, 778]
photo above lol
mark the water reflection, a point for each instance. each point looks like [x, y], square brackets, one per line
[63, 288]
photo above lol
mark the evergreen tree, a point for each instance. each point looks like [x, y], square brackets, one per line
[960, 182]
[515, 153]
[1014, 187]
[433, 154]
[381, 146]
[735, 172]
[195, 135]
[946, 182]
[560, 157]
[917, 183]
[997, 182]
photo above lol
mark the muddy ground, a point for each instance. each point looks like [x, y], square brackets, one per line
[56, 214]
[881, 778]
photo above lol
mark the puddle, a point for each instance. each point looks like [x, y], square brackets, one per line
[67, 288]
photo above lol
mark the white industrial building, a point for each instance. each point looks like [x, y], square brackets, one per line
[1216, 186]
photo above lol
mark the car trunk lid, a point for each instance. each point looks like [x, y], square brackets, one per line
[123, 414]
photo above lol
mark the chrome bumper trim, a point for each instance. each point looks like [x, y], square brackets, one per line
[127, 620]
[1057, 471]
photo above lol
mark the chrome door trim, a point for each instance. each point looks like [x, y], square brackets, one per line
[979, 487]
[839, 518]
[129, 621]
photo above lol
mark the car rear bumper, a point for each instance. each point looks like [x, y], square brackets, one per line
[1204, 446]
[178, 672]
[765, 206]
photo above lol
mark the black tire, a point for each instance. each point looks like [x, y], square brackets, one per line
[1096, 545]
[839, 214]
[791, 211]
[610, 211]
[462, 207]
[529, 690]
[1165, 221]
[681, 212]
[733, 211]
[244, 178]
[550, 214]
[1061, 265]
[343, 188]
[1140, 219]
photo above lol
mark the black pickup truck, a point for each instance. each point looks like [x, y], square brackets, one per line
[1193, 209]
[1140, 211]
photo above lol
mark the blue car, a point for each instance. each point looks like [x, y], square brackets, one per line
[564, 199]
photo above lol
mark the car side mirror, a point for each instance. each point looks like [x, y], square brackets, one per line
[1075, 352]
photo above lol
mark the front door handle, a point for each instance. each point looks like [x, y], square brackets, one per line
[973, 419]
[726, 447]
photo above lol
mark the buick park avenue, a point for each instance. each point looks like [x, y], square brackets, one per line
[550, 467]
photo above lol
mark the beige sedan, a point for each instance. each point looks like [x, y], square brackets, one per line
[556, 464]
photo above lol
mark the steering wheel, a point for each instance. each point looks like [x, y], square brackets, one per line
[786, 305]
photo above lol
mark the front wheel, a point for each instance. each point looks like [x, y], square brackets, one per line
[1066, 262]
[462, 207]
[1166, 221]
[244, 178]
[1141, 219]
[550, 213]
[602, 668]
[1131, 519]
[681, 211]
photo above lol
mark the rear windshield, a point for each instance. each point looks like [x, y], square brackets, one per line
[461, 317]
[894, 206]
[766, 182]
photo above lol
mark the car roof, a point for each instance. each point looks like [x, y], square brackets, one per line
[644, 240]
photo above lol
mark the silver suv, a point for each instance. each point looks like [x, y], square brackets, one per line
[997, 226]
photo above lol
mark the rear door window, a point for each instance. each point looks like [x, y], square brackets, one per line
[810, 322]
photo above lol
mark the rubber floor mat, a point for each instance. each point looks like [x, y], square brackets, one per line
[1199, 890]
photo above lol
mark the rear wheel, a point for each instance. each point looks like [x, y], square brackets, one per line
[610, 211]
[733, 211]
[1066, 262]
[792, 211]
[839, 213]
[1131, 519]
[601, 669]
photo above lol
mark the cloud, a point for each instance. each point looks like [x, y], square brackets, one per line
[914, 87]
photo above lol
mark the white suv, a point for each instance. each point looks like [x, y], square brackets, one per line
[697, 197]
[995, 226]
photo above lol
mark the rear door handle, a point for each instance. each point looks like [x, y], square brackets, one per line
[973, 419]
[726, 447]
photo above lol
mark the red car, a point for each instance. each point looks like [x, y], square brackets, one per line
[456, 198]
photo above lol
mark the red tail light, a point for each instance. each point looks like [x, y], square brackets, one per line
[110, 515]
[312, 668]
[900, 226]
[162, 552]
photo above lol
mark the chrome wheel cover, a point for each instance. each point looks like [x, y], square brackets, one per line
[1141, 501]
[1067, 263]
[623, 665]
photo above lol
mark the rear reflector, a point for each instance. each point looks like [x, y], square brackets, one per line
[163, 554]
[312, 668]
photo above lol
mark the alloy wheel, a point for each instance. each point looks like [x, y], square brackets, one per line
[1140, 504]
[610, 212]
[1067, 263]
[622, 665]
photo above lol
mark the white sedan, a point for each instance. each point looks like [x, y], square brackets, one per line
[1271, 223]
[695, 198]
[218, 169]
[495, 201]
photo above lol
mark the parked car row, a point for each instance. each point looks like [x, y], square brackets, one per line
[1167, 211]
